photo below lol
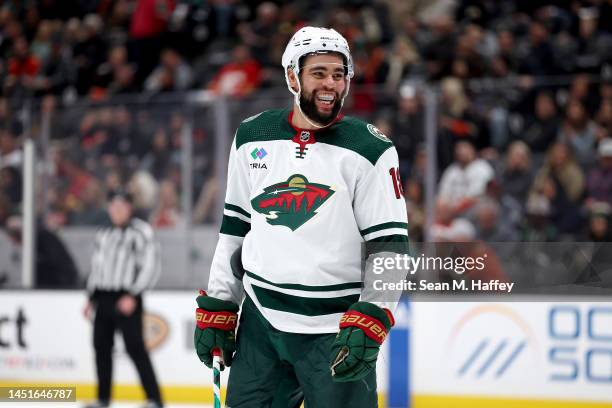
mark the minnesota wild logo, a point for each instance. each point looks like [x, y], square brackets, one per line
[291, 203]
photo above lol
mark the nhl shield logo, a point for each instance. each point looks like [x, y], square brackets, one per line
[291, 203]
[304, 136]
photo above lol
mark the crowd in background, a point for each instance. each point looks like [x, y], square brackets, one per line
[524, 110]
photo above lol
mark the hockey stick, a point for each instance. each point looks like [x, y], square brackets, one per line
[217, 377]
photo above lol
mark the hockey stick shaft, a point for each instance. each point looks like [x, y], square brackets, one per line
[217, 377]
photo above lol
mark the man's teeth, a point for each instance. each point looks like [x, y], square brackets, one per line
[326, 98]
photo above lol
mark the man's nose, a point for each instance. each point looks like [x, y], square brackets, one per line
[329, 82]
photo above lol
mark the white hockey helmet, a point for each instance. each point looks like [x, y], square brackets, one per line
[309, 40]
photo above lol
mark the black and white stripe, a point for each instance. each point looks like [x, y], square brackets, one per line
[125, 259]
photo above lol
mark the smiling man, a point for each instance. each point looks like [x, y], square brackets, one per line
[306, 188]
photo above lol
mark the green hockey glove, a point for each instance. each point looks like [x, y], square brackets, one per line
[215, 328]
[363, 328]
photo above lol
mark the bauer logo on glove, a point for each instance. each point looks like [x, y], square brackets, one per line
[219, 320]
[215, 329]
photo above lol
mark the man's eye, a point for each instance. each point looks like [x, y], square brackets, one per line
[338, 76]
[317, 74]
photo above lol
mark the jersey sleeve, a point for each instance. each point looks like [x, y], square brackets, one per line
[381, 215]
[235, 225]
[379, 205]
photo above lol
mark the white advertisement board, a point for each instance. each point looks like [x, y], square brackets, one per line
[536, 350]
[44, 338]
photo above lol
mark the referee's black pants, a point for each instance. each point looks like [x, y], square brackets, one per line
[107, 320]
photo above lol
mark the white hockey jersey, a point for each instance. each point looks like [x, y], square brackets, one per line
[302, 203]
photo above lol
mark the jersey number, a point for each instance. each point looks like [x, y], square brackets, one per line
[397, 182]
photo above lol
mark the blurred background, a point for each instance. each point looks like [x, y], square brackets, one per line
[501, 112]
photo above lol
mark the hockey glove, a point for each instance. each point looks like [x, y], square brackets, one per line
[215, 328]
[363, 328]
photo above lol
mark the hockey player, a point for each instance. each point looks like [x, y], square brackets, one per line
[306, 188]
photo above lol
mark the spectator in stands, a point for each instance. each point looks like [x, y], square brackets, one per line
[239, 77]
[605, 89]
[581, 90]
[541, 129]
[578, 131]
[173, 74]
[167, 213]
[10, 153]
[594, 46]
[540, 59]
[561, 165]
[123, 136]
[404, 59]
[516, 175]
[5, 113]
[408, 127]
[124, 80]
[77, 181]
[55, 268]
[413, 192]
[41, 45]
[204, 208]
[89, 51]
[11, 30]
[144, 188]
[91, 210]
[538, 226]
[561, 181]
[158, 160]
[456, 121]
[258, 33]
[600, 231]
[508, 50]
[600, 227]
[603, 117]
[511, 210]
[107, 72]
[147, 29]
[10, 185]
[22, 69]
[440, 48]
[599, 181]
[57, 71]
[491, 225]
[444, 217]
[466, 179]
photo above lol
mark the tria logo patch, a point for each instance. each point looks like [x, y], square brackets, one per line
[291, 203]
[258, 153]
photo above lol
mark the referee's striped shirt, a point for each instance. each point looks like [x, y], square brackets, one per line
[125, 259]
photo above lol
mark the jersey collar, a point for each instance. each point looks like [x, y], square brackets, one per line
[312, 131]
[305, 137]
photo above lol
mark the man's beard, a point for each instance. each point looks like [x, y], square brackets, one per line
[309, 108]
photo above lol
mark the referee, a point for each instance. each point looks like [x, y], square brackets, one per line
[125, 263]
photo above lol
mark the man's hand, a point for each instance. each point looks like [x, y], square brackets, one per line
[126, 305]
[88, 310]
[363, 328]
[215, 328]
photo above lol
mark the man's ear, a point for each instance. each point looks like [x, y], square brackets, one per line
[293, 81]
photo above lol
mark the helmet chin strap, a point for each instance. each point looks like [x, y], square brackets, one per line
[296, 97]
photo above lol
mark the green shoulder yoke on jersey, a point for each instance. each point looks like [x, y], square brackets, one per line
[348, 133]
[265, 126]
[356, 135]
